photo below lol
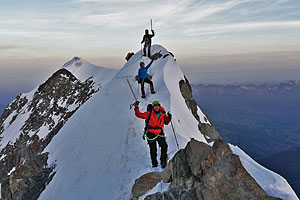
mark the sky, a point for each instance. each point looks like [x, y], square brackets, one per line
[212, 40]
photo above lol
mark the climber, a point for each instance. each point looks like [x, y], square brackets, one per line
[156, 117]
[143, 77]
[147, 39]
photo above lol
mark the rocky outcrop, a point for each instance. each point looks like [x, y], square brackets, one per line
[208, 173]
[145, 183]
[28, 179]
[208, 130]
[52, 104]
[14, 106]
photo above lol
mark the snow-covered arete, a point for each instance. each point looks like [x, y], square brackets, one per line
[100, 152]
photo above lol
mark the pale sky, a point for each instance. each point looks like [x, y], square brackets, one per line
[210, 38]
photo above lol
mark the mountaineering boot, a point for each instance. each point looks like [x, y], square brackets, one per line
[154, 163]
[143, 93]
[163, 164]
[152, 89]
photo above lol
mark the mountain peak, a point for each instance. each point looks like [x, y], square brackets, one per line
[99, 152]
[71, 62]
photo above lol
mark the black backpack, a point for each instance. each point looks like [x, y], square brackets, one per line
[149, 108]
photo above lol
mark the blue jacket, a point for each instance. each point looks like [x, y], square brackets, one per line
[143, 71]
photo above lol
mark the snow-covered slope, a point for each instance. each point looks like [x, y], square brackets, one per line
[100, 152]
[84, 70]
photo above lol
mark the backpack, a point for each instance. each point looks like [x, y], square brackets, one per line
[129, 55]
[156, 56]
[149, 108]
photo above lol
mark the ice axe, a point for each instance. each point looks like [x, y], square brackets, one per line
[132, 94]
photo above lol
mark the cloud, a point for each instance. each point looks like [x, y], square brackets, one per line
[8, 47]
[195, 13]
[37, 35]
[166, 12]
[217, 29]
[112, 20]
[108, 1]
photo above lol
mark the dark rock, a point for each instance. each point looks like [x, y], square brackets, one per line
[200, 157]
[178, 171]
[207, 130]
[221, 149]
[145, 183]
[175, 192]
[17, 106]
[28, 180]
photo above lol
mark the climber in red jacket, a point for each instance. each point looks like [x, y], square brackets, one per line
[156, 118]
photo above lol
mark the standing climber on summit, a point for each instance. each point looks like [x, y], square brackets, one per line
[147, 39]
[143, 77]
[156, 118]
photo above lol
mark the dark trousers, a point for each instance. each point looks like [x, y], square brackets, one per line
[163, 149]
[145, 47]
[147, 80]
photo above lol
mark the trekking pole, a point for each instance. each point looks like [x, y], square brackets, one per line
[174, 134]
[132, 93]
[151, 24]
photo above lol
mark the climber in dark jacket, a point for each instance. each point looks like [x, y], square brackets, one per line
[154, 130]
[147, 39]
[143, 77]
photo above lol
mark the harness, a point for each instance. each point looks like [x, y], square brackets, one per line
[149, 127]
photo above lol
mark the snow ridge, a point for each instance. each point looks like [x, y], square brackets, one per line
[99, 152]
[103, 140]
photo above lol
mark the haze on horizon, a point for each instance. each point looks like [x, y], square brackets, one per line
[213, 41]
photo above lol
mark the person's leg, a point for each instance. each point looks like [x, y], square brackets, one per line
[143, 88]
[149, 46]
[153, 152]
[164, 150]
[147, 80]
[144, 49]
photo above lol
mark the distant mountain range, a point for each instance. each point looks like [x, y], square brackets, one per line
[286, 86]
[263, 119]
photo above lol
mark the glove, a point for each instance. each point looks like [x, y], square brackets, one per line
[169, 115]
[136, 104]
[143, 137]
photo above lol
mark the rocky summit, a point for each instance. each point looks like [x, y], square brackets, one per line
[202, 172]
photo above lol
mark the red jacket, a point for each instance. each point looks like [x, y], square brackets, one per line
[154, 121]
